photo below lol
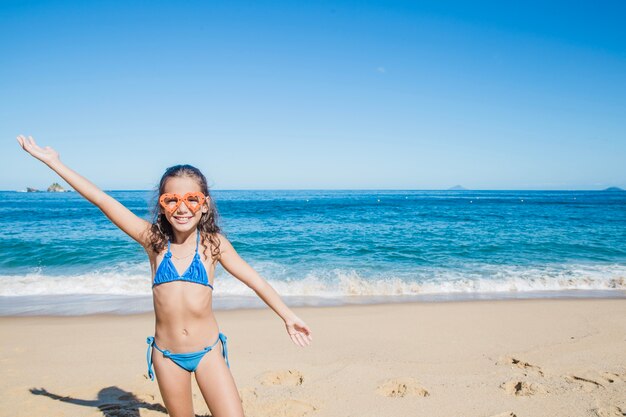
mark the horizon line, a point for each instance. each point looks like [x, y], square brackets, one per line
[611, 188]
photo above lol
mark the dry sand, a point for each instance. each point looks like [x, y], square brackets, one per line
[564, 357]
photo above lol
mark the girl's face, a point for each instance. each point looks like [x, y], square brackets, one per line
[183, 219]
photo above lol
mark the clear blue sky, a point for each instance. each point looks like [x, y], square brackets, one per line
[272, 95]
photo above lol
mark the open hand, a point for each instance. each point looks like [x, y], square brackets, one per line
[45, 155]
[299, 332]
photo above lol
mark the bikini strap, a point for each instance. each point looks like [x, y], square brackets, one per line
[197, 243]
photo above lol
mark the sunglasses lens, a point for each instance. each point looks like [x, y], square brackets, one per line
[193, 201]
[169, 202]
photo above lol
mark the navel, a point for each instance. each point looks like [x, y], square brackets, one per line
[185, 332]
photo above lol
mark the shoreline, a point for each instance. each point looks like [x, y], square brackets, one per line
[522, 357]
[76, 305]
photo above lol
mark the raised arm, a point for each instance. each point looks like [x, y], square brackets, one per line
[297, 329]
[131, 224]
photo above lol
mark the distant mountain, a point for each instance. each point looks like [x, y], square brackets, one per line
[613, 189]
[457, 188]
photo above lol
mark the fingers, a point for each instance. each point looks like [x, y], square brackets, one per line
[300, 338]
[28, 144]
[33, 143]
[303, 340]
[299, 332]
[24, 143]
[295, 340]
[305, 331]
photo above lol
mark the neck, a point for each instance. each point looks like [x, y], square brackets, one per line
[181, 238]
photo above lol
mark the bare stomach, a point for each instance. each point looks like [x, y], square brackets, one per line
[184, 316]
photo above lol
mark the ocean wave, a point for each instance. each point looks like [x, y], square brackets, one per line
[134, 280]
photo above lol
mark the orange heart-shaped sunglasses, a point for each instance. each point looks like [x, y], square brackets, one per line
[170, 201]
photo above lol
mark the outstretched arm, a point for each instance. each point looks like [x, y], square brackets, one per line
[297, 329]
[129, 222]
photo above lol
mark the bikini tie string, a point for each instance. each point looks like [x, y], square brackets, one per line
[222, 337]
[150, 342]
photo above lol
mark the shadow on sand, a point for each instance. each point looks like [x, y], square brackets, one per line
[112, 402]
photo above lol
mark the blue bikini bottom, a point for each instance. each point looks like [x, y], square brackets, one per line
[188, 361]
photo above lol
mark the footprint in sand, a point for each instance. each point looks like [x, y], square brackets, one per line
[523, 388]
[612, 377]
[286, 378]
[591, 380]
[586, 384]
[253, 406]
[525, 366]
[402, 387]
[610, 411]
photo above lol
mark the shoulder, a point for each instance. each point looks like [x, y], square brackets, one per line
[225, 244]
[217, 244]
[229, 258]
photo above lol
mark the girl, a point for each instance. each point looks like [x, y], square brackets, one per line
[183, 245]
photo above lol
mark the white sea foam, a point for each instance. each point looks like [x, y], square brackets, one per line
[134, 280]
[125, 289]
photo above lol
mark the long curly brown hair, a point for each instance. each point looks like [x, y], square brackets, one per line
[161, 230]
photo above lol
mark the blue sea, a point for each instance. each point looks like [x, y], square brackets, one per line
[61, 255]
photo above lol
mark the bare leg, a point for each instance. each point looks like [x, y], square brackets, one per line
[175, 386]
[218, 386]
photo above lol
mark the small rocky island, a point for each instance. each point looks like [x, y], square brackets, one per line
[55, 187]
[612, 189]
[457, 188]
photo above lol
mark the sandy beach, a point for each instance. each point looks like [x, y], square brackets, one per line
[548, 357]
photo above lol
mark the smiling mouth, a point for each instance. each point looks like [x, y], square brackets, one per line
[182, 219]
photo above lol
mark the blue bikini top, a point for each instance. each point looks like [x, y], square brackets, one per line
[196, 272]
